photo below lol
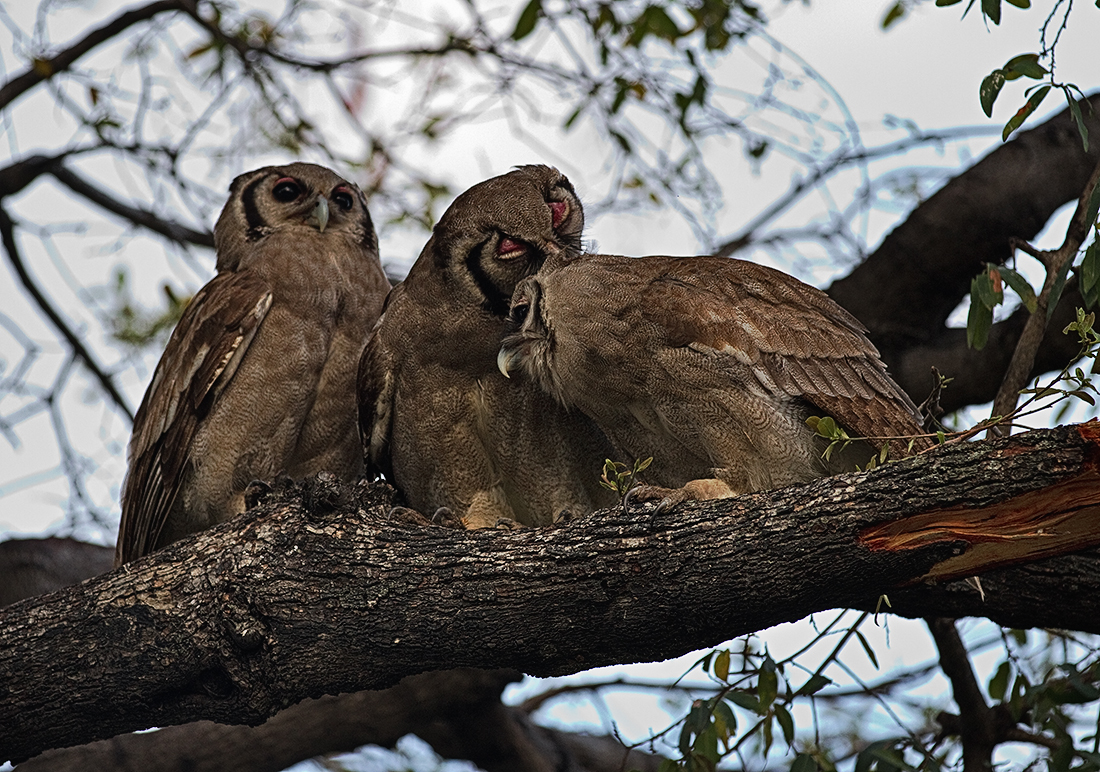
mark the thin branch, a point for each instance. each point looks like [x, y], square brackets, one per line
[143, 217]
[44, 69]
[7, 234]
[1056, 263]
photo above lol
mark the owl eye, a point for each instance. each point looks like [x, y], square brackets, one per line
[286, 190]
[558, 212]
[343, 199]
[509, 248]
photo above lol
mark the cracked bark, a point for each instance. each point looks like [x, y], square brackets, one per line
[230, 625]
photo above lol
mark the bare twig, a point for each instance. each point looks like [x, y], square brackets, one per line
[11, 248]
[44, 69]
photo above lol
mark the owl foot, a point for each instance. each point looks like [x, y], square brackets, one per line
[408, 516]
[448, 519]
[667, 498]
[255, 492]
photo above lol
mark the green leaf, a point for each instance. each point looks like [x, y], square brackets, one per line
[804, 762]
[746, 701]
[816, 683]
[724, 719]
[1090, 275]
[767, 688]
[1026, 65]
[981, 287]
[978, 323]
[525, 24]
[668, 765]
[1020, 286]
[1057, 287]
[998, 684]
[1094, 206]
[945, 3]
[895, 14]
[991, 9]
[786, 723]
[1075, 111]
[990, 88]
[867, 648]
[1017, 120]
[722, 665]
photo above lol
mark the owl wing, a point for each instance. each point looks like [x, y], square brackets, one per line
[198, 363]
[792, 337]
[375, 389]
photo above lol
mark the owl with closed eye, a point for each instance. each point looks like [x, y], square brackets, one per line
[710, 366]
[436, 417]
[258, 377]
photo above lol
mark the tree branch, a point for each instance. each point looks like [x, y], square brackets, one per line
[230, 624]
[44, 69]
[905, 290]
[7, 236]
[142, 217]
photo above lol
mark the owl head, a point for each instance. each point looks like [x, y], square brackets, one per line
[505, 229]
[279, 200]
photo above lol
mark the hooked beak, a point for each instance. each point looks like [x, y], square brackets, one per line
[506, 360]
[319, 215]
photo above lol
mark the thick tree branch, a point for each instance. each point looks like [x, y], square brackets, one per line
[44, 69]
[905, 291]
[231, 624]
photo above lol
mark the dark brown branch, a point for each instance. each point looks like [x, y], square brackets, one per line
[229, 625]
[11, 248]
[457, 712]
[36, 566]
[44, 69]
[905, 291]
[141, 217]
[975, 722]
[1056, 262]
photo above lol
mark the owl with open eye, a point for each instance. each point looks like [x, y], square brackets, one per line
[709, 366]
[258, 378]
[436, 417]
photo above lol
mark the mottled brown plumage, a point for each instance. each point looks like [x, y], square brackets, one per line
[437, 418]
[258, 378]
[709, 365]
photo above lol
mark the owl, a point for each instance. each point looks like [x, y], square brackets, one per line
[709, 366]
[258, 378]
[436, 417]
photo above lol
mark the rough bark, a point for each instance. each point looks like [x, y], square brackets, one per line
[323, 595]
[457, 712]
[905, 290]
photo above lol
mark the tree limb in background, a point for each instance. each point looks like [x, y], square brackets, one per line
[11, 248]
[905, 290]
[44, 69]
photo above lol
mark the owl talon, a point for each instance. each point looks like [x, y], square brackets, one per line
[408, 516]
[507, 524]
[255, 492]
[448, 519]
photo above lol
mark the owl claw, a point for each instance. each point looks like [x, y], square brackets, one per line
[446, 518]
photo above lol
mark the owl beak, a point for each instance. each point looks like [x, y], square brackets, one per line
[506, 361]
[319, 215]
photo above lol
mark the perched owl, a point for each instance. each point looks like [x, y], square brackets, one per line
[710, 366]
[437, 418]
[258, 378]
